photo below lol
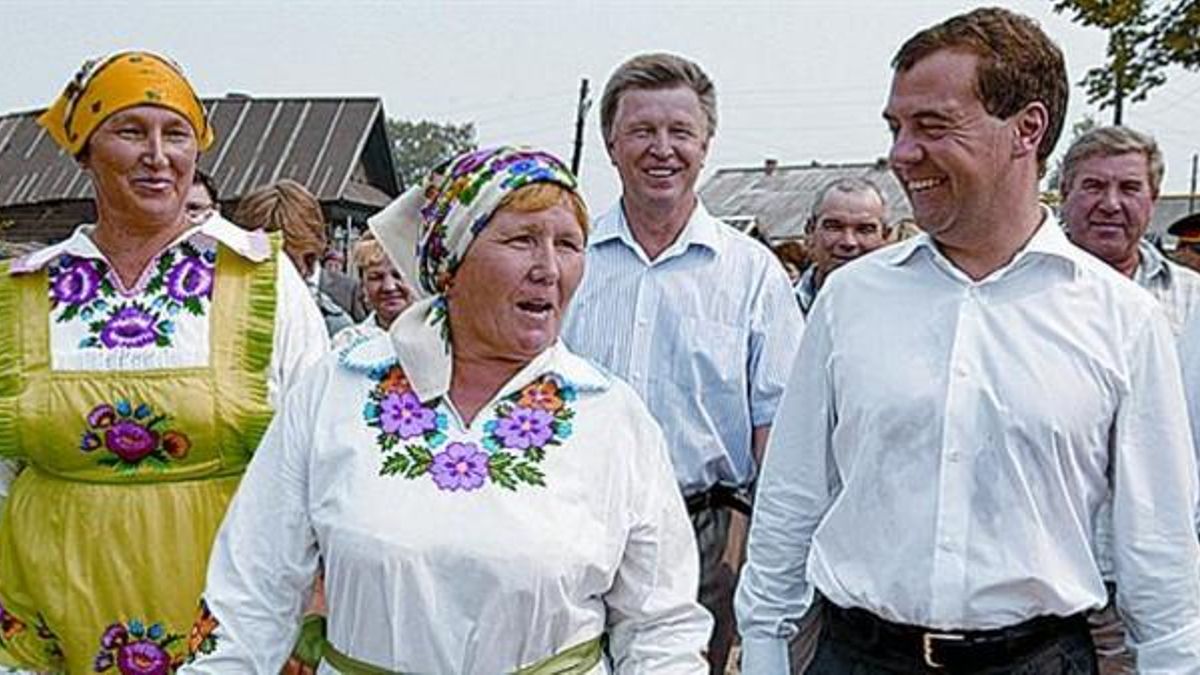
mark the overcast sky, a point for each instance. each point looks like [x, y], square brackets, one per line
[796, 81]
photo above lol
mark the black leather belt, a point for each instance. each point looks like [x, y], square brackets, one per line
[948, 649]
[719, 497]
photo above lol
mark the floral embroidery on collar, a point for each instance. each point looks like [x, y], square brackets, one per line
[81, 290]
[132, 436]
[524, 424]
[137, 649]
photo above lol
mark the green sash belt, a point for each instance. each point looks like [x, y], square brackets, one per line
[312, 648]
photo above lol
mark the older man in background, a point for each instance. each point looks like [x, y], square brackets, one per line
[1110, 180]
[849, 219]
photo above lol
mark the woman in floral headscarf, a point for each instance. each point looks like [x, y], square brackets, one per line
[140, 360]
[484, 501]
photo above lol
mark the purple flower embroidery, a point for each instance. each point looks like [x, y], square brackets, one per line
[76, 283]
[130, 441]
[101, 416]
[461, 466]
[143, 658]
[525, 428]
[129, 327]
[472, 162]
[403, 414]
[114, 636]
[103, 662]
[189, 278]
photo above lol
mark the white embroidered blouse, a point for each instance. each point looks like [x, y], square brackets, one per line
[551, 518]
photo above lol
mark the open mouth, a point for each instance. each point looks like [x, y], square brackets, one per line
[923, 184]
[540, 309]
[661, 173]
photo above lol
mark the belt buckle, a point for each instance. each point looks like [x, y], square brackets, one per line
[927, 642]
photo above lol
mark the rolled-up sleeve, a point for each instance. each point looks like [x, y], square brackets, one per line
[265, 556]
[795, 489]
[1156, 554]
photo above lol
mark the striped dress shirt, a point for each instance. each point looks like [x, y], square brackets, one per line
[705, 333]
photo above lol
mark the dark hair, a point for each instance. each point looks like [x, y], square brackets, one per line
[201, 178]
[1018, 64]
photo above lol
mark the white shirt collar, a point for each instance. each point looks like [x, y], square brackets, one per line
[1047, 240]
[253, 245]
[701, 229]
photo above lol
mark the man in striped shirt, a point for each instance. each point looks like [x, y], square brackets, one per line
[698, 317]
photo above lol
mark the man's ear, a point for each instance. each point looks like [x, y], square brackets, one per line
[1030, 125]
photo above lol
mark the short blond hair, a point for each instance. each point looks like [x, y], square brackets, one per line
[367, 252]
[658, 71]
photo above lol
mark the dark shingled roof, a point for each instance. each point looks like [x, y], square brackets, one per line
[319, 142]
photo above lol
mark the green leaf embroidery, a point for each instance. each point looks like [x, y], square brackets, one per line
[529, 473]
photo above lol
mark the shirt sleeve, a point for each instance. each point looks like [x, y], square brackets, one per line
[1189, 363]
[300, 335]
[776, 327]
[655, 623]
[1156, 555]
[265, 556]
[797, 484]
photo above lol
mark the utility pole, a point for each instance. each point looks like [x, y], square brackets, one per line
[581, 112]
[1192, 192]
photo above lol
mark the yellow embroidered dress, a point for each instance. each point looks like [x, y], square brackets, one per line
[132, 414]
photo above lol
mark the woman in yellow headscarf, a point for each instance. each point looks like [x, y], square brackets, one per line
[140, 361]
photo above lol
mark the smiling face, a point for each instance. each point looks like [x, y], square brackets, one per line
[849, 224]
[658, 144]
[508, 296]
[386, 290]
[949, 153]
[141, 161]
[1108, 205]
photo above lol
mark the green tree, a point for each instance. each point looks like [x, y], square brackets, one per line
[418, 147]
[1144, 38]
[1179, 34]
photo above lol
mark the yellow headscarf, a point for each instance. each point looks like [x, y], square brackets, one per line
[123, 80]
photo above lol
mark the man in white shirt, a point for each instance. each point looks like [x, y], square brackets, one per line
[941, 494]
[697, 317]
[1110, 180]
[849, 219]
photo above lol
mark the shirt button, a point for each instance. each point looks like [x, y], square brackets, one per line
[961, 370]
[642, 321]
[952, 455]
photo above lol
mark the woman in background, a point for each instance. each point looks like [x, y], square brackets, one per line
[386, 290]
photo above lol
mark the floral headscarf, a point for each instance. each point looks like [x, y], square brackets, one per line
[429, 229]
[124, 80]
